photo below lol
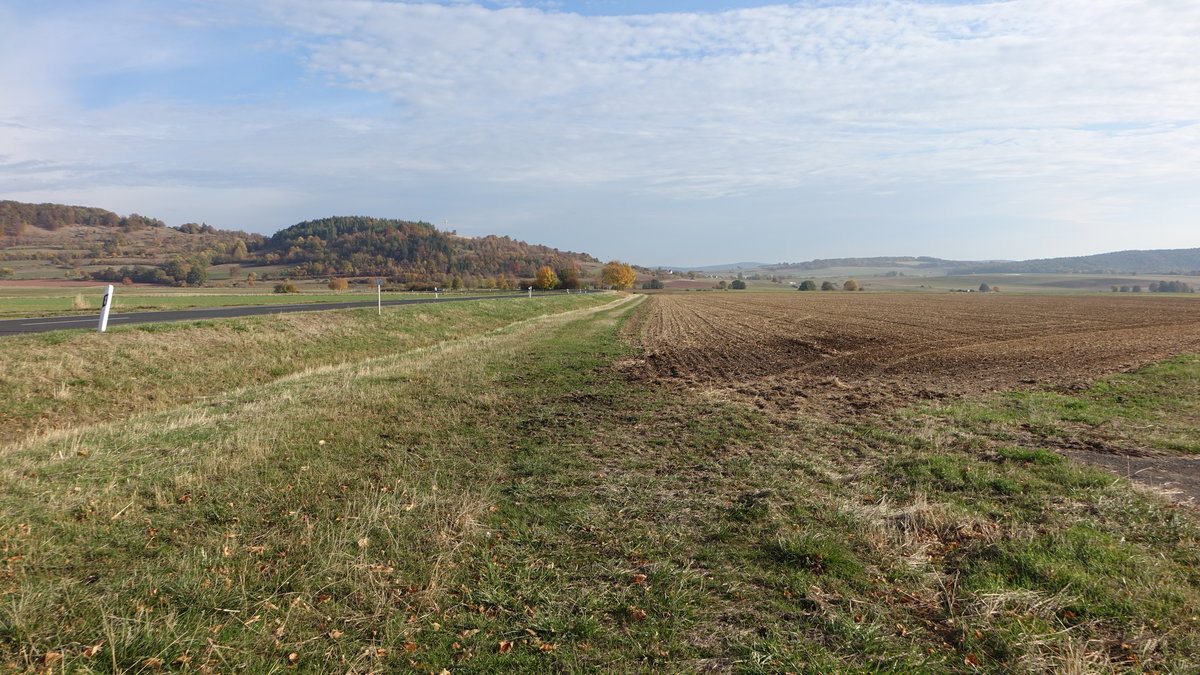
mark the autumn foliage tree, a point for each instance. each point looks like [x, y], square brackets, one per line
[568, 277]
[850, 285]
[338, 284]
[618, 275]
[545, 279]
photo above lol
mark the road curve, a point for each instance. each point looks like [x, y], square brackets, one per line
[46, 324]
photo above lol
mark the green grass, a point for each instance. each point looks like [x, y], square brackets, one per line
[24, 302]
[508, 501]
[65, 378]
[1154, 408]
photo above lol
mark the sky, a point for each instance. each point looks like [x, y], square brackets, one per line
[660, 132]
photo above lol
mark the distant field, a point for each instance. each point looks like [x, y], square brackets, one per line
[17, 301]
[1022, 283]
[871, 280]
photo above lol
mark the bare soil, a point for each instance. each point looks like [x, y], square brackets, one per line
[843, 355]
[839, 353]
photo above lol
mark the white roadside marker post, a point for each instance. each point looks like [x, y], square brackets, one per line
[531, 292]
[379, 296]
[104, 307]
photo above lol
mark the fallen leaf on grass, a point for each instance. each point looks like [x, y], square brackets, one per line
[547, 647]
[153, 663]
[51, 658]
[293, 658]
[638, 578]
[335, 634]
[468, 633]
[364, 542]
[93, 650]
[504, 647]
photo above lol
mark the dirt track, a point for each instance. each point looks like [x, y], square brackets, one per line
[844, 353]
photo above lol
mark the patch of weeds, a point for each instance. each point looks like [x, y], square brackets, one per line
[750, 507]
[816, 555]
[1031, 455]
[55, 337]
[1156, 406]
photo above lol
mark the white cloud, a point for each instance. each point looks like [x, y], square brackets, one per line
[1047, 111]
[712, 104]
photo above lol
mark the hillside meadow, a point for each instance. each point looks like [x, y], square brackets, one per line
[483, 488]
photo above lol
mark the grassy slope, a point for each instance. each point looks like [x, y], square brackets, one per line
[57, 379]
[510, 502]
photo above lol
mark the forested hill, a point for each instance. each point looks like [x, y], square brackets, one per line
[16, 218]
[405, 251]
[1119, 262]
[86, 242]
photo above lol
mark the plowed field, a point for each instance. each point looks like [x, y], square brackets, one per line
[842, 353]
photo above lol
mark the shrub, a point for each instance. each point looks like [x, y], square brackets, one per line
[738, 285]
[338, 284]
[850, 285]
[286, 287]
[808, 285]
[828, 286]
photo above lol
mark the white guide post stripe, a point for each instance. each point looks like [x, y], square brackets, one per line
[107, 305]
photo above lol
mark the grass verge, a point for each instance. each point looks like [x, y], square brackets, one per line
[26, 302]
[67, 378]
[510, 502]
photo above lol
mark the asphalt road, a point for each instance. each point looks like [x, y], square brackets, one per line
[45, 324]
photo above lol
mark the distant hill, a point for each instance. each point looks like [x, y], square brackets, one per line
[406, 251]
[18, 218]
[718, 268]
[79, 242]
[55, 241]
[1162, 261]
[915, 263]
